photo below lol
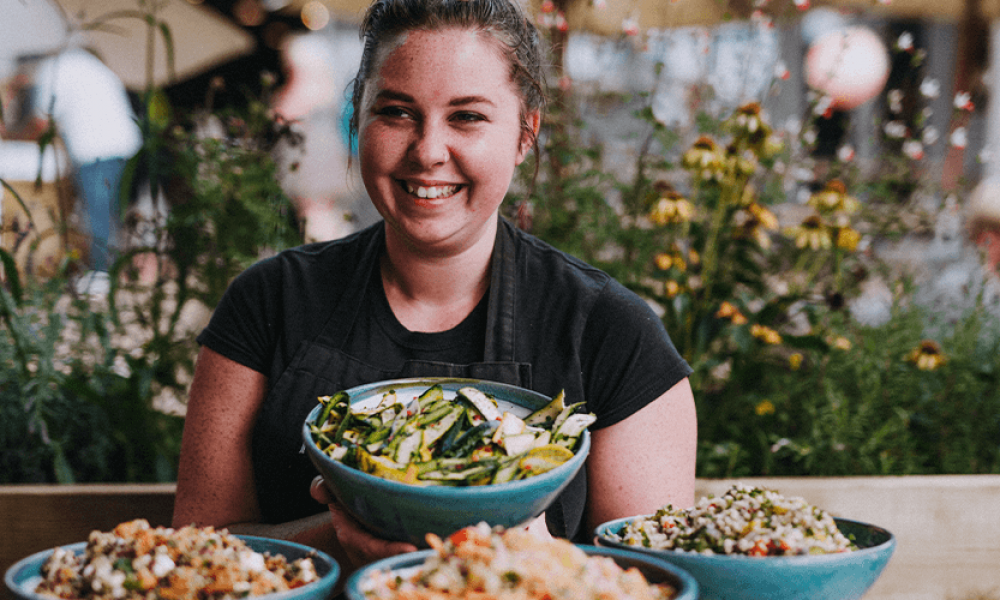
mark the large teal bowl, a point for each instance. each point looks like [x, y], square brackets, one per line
[24, 576]
[656, 570]
[841, 576]
[399, 511]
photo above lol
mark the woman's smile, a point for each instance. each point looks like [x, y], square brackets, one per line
[440, 135]
[431, 191]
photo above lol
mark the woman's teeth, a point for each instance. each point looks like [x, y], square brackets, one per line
[439, 191]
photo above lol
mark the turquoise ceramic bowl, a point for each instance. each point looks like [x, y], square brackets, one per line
[656, 570]
[398, 511]
[23, 577]
[842, 576]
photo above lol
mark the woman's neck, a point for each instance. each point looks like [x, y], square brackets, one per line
[435, 293]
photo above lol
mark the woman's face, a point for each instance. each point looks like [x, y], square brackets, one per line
[439, 138]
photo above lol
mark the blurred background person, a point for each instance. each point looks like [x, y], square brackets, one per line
[88, 107]
[314, 164]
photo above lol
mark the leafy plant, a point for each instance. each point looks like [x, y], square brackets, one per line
[83, 379]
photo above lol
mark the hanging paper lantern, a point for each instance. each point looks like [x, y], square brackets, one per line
[850, 66]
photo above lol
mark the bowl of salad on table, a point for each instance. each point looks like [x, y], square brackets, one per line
[409, 457]
[752, 543]
[135, 561]
[483, 562]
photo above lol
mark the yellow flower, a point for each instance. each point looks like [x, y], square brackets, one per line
[671, 208]
[703, 158]
[834, 198]
[795, 361]
[742, 163]
[764, 407]
[927, 356]
[672, 288]
[755, 221]
[728, 311]
[747, 124]
[841, 343]
[765, 334]
[848, 238]
[667, 260]
[812, 233]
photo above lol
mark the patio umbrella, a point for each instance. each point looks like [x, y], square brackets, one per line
[116, 30]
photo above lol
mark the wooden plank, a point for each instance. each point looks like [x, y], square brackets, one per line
[39, 517]
[947, 527]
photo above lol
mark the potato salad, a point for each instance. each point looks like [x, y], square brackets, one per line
[138, 562]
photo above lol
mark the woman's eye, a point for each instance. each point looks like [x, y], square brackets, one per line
[469, 117]
[391, 111]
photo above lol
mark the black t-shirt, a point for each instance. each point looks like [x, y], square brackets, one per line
[578, 329]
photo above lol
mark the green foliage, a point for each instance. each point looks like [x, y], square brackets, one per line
[82, 379]
[786, 382]
[865, 408]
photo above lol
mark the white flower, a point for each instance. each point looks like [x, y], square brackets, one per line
[780, 444]
[930, 88]
[781, 70]
[963, 101]
[845, 153]
[895, 98]
[913, 149]
[630, 26]
[793, 126]
[959, 138]
[810, 136]
[895, 129]
[823, 105]
[930, 136]
[905, 41]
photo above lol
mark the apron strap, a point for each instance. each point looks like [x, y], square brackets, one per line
[500, 332]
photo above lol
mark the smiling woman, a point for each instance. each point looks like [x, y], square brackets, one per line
[447, 104]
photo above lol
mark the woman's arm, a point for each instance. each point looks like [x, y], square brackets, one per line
[215, 478]
[646, 461]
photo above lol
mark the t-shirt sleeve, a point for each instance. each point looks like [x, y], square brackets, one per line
[631, 359]
[243, 326]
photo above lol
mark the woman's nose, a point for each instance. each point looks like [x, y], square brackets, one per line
[430, 145]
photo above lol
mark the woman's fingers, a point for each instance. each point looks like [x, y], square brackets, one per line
[360, 546]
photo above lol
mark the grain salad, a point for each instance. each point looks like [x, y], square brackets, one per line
[746, 520]
[137, 562]
[482, 563]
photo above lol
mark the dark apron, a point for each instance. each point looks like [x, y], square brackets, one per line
[281, 469]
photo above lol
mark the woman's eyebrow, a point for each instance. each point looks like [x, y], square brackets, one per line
[464, 100]
[393, 95]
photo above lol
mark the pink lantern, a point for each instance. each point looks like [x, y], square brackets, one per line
[849, 65]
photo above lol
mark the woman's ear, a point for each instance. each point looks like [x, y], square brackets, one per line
[529, 134]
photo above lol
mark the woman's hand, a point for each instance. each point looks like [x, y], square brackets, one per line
[359, 546]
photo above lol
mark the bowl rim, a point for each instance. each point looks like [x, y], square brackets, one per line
[35, 560]
[615, 524]
[390, 486]
[690, 590]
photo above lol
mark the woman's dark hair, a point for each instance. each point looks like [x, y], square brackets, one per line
[516, 35]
